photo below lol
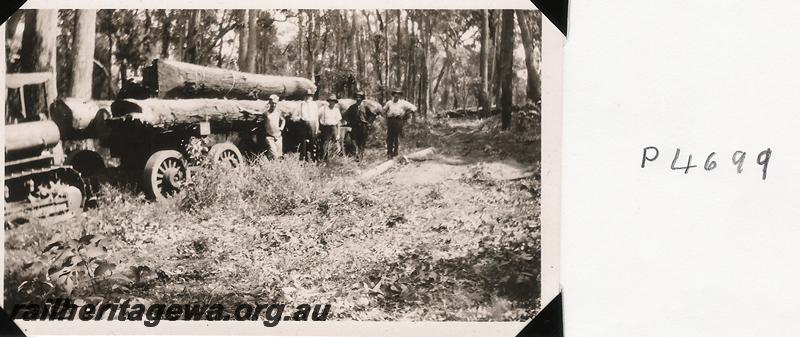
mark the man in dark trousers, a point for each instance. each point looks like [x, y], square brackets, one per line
[309, 117]
[397, 112]
[329, 119]
[359, 117]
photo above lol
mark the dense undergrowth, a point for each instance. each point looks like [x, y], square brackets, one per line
[295, 232]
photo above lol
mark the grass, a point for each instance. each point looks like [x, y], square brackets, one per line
[295, 232]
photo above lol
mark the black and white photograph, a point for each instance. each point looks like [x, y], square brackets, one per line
[273, 165]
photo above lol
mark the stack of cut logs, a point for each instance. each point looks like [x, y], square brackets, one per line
[186, 93]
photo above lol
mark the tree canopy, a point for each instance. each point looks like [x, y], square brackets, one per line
[434, 56]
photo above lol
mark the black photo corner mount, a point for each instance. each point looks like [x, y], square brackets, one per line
[548, 323]
[7, 326]
[9, 7]
[556, 11]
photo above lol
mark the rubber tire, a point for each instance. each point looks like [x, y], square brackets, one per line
[216, 151]
[151, 168]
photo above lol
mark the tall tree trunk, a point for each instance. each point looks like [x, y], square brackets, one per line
[313, 43]
[388, 57]
[243, 29]
[426, 78]
[506, 62]
[351, 39]
[405, 73]
[38, 54]
[147, 41]
[102, 85]
[483, 95]
[454, 88]
[338, 54]
[123, 73]
[442, 71]
[82, 54]
[193, 37]
[166, 33]
[495, 70]
[181, 33]
[408, 80]
[378, 59]
[220, 56]
[398, 72]
[525, 20]
[300, 44]
[361, 62]
[252, 41]
[446, 91]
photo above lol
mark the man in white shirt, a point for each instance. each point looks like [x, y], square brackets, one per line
[274, 124]
[309, 117]
[329, 119]
[270, 134]
[397, 112]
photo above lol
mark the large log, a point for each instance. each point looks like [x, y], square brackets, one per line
[76, 117]
[175, 79]
[291, 109]
[166, 113]
[372, 105]
[30, 136]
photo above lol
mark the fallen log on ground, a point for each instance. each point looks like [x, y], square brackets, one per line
[76, 117]
[420, 155]
[172, 79]
[385, 166]
[476, 111]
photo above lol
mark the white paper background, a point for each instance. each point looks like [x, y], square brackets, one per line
[655, 252]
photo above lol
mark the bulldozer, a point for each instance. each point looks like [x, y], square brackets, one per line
[38, 185]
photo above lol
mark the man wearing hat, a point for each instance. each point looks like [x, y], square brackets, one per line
[309, 117]
[274, 124]
[359, 117]
[329, 119]
[397, 112]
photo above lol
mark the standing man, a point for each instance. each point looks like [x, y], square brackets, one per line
[269, 136]
[329, 119]
[397, 112]
[274, 124]
[309, 117]
[359, 117]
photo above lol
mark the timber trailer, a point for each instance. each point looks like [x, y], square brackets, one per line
[162, 156]
[183, 116]
[37, 183]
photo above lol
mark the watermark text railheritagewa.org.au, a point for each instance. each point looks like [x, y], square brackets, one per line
[65, 309]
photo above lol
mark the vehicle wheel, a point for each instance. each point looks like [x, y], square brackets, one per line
[164, 174]
[88, 163]
[226, 154]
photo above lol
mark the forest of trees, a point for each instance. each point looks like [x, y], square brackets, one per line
[441, 59]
